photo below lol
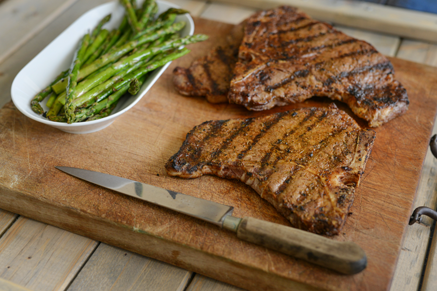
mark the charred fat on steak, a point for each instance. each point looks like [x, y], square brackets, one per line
[287, 57]
[306, 162]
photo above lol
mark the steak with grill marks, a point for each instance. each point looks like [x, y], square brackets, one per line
[210, 75]
[306, 162]
[287, 57]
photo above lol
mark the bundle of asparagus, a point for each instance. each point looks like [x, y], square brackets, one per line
[108, 64]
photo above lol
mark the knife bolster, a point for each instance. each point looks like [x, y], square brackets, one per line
[231, 223]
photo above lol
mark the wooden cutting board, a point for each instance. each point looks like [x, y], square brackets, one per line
[137, 145]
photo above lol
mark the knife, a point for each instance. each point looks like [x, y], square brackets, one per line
[344, 257]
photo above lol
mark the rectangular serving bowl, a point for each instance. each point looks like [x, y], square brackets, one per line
[57, 57]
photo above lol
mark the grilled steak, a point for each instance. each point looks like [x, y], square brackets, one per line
[211, 75]
[287, 57]
[306, 162]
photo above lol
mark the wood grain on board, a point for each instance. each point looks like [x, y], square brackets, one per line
[111, 268]
[42, 257]
[415, 262]
[162, 118]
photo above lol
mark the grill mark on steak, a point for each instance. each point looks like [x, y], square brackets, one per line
[328, 82]
[314, 119]
[191, 79]
[258, 137]
[308, 38]
[266, 157]
[243, 127]
[276, 48]
[213, 83]
[294, 29]
[312, 185]
[198, 151]
[306, 160]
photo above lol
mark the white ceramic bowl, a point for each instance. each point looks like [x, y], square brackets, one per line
[57, 56]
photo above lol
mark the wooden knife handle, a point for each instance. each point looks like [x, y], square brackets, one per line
[344, 257]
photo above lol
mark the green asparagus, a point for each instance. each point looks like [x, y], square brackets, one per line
[115, 55]
[114, 38]
[98, 28]
[104, 113]
[131, 16]
[95, 44]
[156, 25]
[51, 99]
[149, 6]
[34, 104]
[137, 74]
[96, 108]
[72, 77]
[165, 14]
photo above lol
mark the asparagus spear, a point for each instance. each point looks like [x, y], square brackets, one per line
[98, 28]
[94, 92]
[149, 6]
[99, 50]
[51, 99]
[169, 11]
[62, 118]
[156, 25]
[134, 59]
[97, 107]
[113, 39]
[34, 104]
[140, 55]
[96, 42]
[122, 40]
[131, 16]
[72, 78]
[112, 56]
[134, 87]
[138, 73]
[123, 24]
[104, 113]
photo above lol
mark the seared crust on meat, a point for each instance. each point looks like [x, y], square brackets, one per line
[208, 76]
[211, 75]
[306, 162]
[287, 57]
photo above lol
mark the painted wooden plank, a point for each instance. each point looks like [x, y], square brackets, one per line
[420, 5]
[410, 266]
[369, 16]
[10, 67]
[6, 219]
[202, 283]
[111, 268]
[24, 19]
[418, 51]
[195, 7]
[10, 286]
[42, 257]
[384, 43]
[429, 278]
[228, 13]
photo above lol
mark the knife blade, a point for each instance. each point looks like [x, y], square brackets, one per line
[344, 257]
